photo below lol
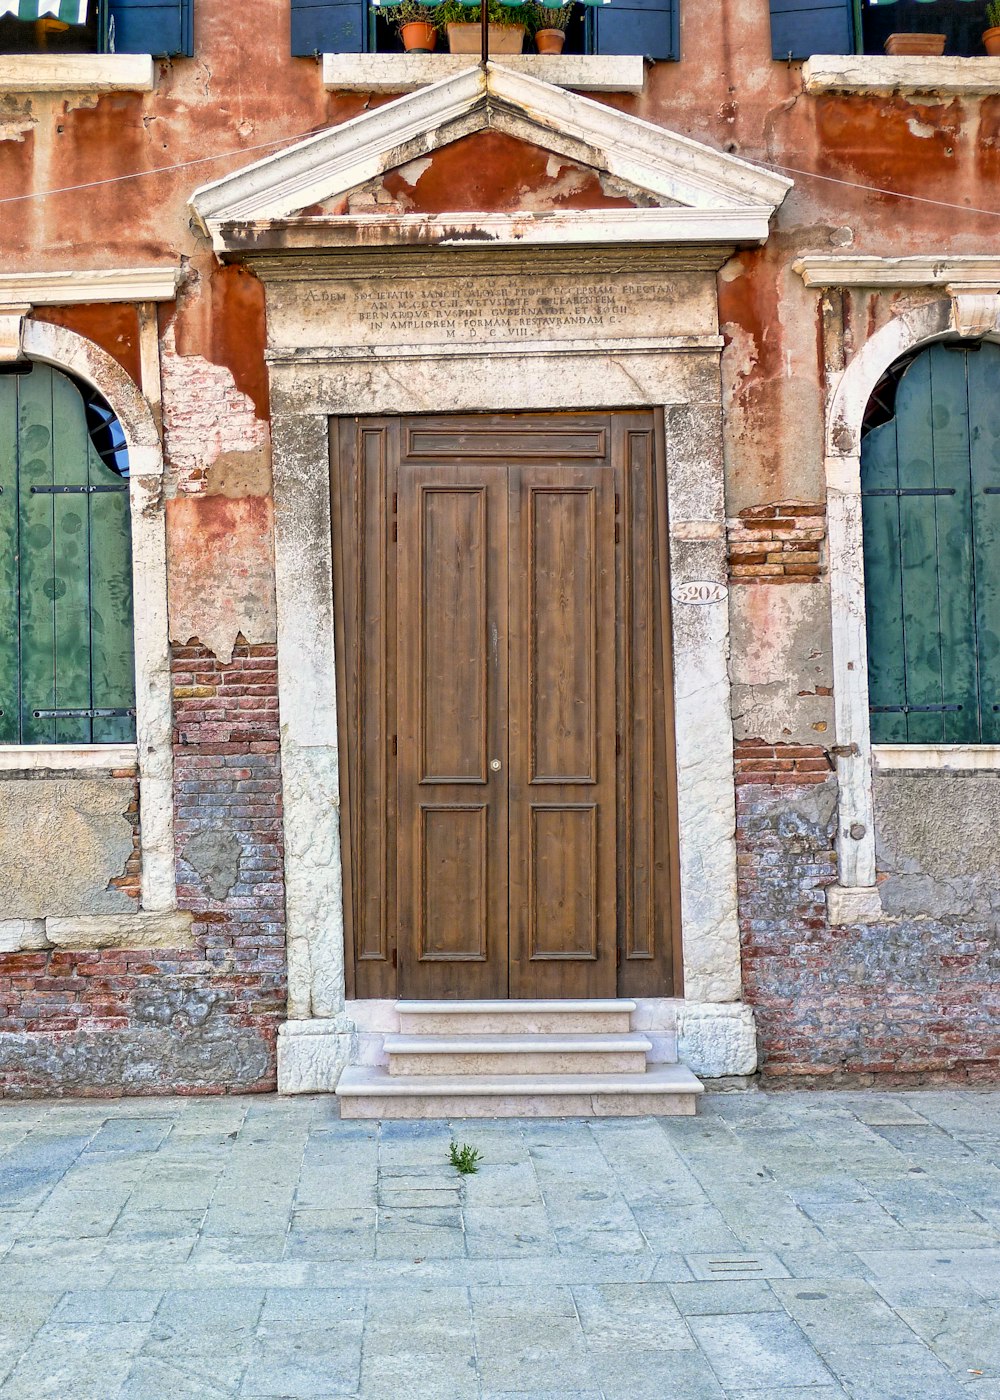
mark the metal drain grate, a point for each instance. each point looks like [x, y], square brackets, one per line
[735, 1267]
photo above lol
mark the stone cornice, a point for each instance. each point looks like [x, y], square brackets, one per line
[579, 227]
[923, 270]
[862, 73]
[23, 74]
[76, 285]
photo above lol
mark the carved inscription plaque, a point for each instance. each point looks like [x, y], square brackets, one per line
[490, 310]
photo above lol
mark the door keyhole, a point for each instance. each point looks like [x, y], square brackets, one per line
[495, 765]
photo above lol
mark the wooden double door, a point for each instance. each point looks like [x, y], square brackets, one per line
[504, 699]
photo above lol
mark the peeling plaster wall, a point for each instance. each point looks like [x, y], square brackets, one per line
[63, 843]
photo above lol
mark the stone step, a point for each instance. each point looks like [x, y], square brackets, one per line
[667, 1090]
[610, 1053]
[514, 1017]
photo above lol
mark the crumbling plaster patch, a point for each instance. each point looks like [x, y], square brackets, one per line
[221, 571]
[61, 842]
[781, 666]
[205, 417]
[938, 844]
[214, 856]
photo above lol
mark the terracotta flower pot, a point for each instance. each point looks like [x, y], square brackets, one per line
[504, 38]
[549, 40]
[991, 41]
[418, 36]
[930, 45]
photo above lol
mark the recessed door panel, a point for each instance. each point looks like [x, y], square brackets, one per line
[453, 872]
[454, 634]
[563, 897]
[562, 603]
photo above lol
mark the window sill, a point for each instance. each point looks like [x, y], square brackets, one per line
[405, 72]
[863, 73]
[65, 758]
[76, 72]
[942, 757]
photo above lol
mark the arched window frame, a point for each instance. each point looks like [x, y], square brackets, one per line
[968, 312]
[65, 350]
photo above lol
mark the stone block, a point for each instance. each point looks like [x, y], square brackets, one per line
[716, 1040]
[139, 930]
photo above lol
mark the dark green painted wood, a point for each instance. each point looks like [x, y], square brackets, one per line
[112, 652]
[918, 556]
[984, 417]
[70, 562]
[934, 616]
[10, 681]
[35, 468]
[955, 572]
[883, 586]
[70, 575]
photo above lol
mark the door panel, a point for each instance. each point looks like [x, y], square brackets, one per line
[452, 677]
[562, 730]
[504, 686]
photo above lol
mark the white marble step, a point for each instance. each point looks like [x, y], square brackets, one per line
[514, 1017]
[374, 1093]
[611, 1053]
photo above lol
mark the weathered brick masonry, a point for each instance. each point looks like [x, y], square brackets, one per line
[777, 543]
[910, 999]
[227, 781]
[201, 1019]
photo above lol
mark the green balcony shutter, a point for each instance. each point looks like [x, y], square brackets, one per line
[65, 572]
[800, 28]
[160, 27]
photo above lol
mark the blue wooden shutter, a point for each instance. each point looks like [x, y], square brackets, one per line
[328, 26]
[647, 27]
[800, 28]
[151, 26]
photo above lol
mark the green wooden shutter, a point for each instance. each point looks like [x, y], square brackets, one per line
[984, 446]
[65, 572]
[931, 516]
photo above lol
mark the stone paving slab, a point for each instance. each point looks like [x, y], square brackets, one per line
[793, 1246]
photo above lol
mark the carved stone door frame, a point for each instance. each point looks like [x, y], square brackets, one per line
[316, 375]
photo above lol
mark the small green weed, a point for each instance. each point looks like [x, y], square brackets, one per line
[465, 1159]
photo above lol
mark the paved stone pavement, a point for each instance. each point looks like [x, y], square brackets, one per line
[794, 1246]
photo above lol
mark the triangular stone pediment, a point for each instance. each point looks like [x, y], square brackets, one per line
[567, 170]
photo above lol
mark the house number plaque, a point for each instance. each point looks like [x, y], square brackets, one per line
[699, 591]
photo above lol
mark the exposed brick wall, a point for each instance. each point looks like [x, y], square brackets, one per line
[758, 762]
[227, 781]
[192, 1020]
[779, 543]
[130, 880]
[905, 1001]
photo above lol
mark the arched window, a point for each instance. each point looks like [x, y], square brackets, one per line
[930, 487]
[66, 644]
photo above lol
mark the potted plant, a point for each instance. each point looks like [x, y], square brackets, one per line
[548, 23]
[991, 35]
[417, 26]
[461, 22]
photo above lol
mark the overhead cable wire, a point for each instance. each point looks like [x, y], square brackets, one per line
[304, 135]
